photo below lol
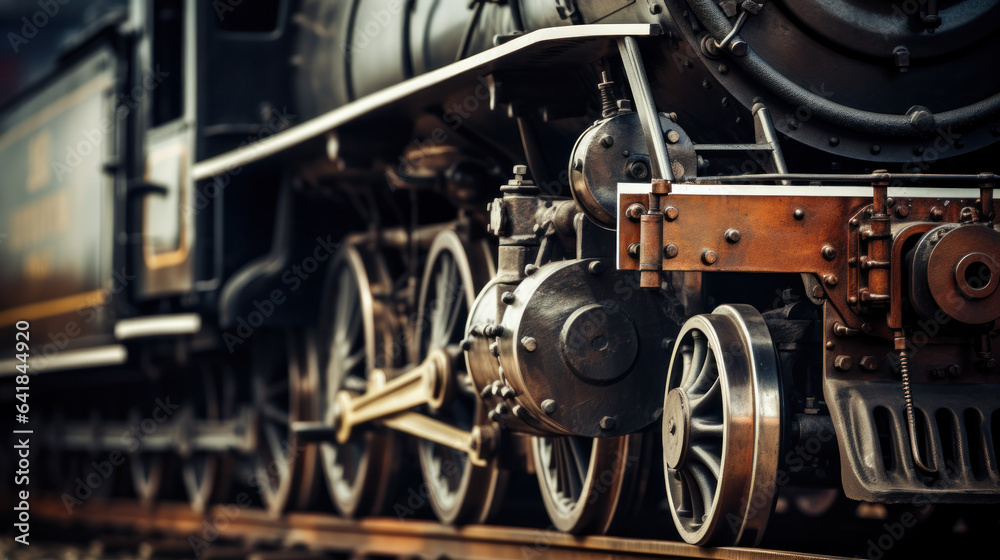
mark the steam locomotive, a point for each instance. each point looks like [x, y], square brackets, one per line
[752, 244]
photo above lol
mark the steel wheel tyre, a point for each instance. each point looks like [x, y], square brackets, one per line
[199, 469]
[586, 482]
[459, 491]
[282, 387]
[722, 428]
[360, 336]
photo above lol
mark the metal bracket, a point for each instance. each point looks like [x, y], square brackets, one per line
[659, 160]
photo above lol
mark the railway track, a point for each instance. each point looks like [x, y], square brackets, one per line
[169, 530]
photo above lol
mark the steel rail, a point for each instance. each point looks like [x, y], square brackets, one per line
[379, 536]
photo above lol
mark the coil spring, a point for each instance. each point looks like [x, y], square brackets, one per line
[904, 372]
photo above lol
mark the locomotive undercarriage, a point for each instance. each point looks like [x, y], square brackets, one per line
[614, 330]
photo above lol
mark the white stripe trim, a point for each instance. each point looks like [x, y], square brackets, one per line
[69, 359]
[162, 325]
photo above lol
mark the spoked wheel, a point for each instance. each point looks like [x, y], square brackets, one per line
[360, 330]
[459, 491]
[585, 482]
[282, 385]
[722, 428]
[146, 467]
[199, 469]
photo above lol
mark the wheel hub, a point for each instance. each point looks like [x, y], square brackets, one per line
[600, 343]
[676, 428]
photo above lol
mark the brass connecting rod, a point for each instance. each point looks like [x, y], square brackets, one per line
[390, 402]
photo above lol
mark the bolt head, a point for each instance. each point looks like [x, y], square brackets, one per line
[799, 213]
[607, 141]
[709, 257]
[671, 213]
[607, 423]
[466, 344]
[937, 213]
[670, 251]
[673, 137]
[633, 250]
[733, 235]
[530, 269]
[507, 393]
[507, 297]
[829, 253]
[831, 279]
[549, 406]
[529, 343]
[596, 268]
[869, 363]
[954, 371]
[843, 363]
[520, 170]
[902, 210]
[738, 47]
[635, 211]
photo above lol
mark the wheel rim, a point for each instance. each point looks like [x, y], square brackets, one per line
[584, 482]
[281, 464]
[146, 468]
[199, 468]
[459, 491]
[721, 428]
[360, 326]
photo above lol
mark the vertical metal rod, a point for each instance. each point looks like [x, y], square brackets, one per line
[643, 96]
[766, 134]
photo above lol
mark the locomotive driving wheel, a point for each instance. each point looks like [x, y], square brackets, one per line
[283, 383]
[722, 428]
[585, 482]
[359, 336]
[199, 468]
[459, 491]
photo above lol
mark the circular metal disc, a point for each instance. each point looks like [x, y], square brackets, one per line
[359, 333]
[721, 483]
[586, 482]
[459, 491]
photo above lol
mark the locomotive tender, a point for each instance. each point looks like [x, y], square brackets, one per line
[733, 231]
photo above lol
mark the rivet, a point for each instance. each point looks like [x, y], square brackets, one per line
[843, 363]
[855, 222]
[709, 257]
[799, 214]
[671, 213]
[830, 345]
[918, 150]
[507, 297]
[936, 373]
[494, 349]
[902, 210]
[875, 149]
[670, 251]
[530, 269]
[733, 235]
[673, 137]
[954, 371]
[466, 344]
[507, 393]
[852, 300]
[518, 411]
[549, 406]
[607, 141]
[937, 214]
[502, 408]
[831, 279]
[497, 330]
[633, 250]
[834, 141]
[607, 423]
[529, 343]
[829, 253]
[596, 268]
